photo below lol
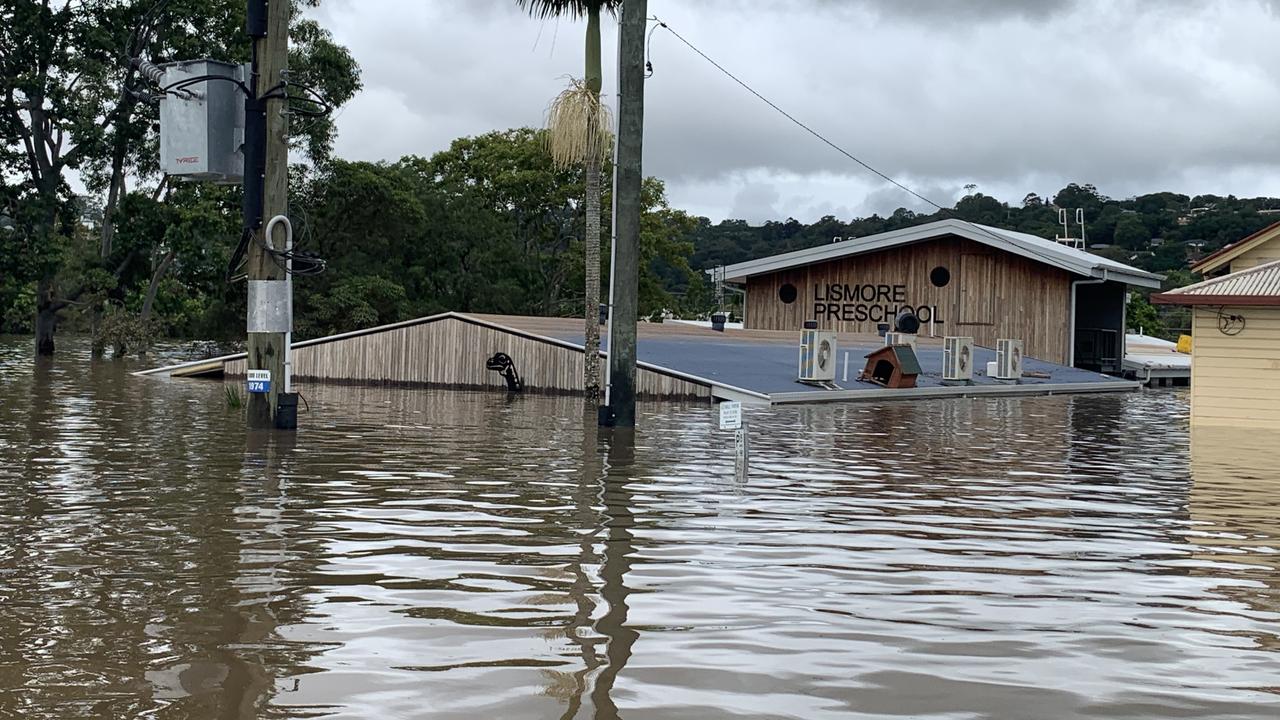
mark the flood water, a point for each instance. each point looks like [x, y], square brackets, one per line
[429, 554]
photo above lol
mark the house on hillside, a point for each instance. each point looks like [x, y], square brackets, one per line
[1258, 249]
[1235, 349]
[959, 278]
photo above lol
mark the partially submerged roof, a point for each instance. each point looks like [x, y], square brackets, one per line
[1218, 259]
[1029, 246]
[1252, 286]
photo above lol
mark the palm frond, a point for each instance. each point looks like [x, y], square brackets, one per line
[573, 9]
[579, 126]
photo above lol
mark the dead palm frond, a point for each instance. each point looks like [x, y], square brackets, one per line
[579, 126]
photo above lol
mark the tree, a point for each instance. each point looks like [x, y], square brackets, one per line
[69, 103]
[489, 225]
[1131, 233]
[579, 130]
[1140, 314]
[1080, 196]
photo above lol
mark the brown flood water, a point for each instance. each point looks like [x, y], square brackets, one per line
[417, 554]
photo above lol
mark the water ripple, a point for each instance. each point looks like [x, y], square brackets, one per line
[459, 555]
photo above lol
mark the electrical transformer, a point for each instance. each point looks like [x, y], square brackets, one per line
[202, 124]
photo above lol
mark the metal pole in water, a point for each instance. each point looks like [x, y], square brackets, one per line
[741, 453]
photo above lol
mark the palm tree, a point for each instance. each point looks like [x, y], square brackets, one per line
[578, 133]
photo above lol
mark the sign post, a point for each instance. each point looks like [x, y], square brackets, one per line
[731, 419]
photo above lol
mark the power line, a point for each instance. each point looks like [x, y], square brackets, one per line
[793, 119]
[980, 228]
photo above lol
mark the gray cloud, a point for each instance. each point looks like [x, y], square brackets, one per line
[1015, 96]
[948, 13]
[755, 202]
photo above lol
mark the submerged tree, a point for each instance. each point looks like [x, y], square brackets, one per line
[578, 132]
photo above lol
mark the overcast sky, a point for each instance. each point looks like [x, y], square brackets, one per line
[1013, 95]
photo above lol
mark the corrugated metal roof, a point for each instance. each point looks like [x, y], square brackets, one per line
[1029, 246]
[1260, 281]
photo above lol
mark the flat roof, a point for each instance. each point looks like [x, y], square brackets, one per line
[1029, 246]
[765, 362]
[1252, 286]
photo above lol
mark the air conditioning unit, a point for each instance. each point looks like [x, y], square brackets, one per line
[957, 358]
[817, 356]
[1008, 359]
[899, 338]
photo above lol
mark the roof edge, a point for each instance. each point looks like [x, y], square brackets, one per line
[1216, 300]
[1006, 240]
[1224, 255]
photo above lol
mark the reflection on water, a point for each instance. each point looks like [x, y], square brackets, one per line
[461, 555]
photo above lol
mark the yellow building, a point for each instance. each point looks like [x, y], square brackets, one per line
[1259, 248]
[1235, 354]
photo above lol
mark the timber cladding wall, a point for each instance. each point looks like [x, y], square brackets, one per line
[1235, 379]
[451, 352]
[988, 294]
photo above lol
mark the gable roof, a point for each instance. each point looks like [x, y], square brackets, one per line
[1029, 246]
[1221, 257]
[1252, 286]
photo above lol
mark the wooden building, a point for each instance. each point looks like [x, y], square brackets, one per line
[1259, 248]
[449, 350]
[959, 278]
[1235, 347]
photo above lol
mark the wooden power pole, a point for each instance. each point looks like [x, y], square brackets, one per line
[621, 410]
[270, 302]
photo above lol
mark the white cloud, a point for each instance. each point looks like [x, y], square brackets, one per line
[1016, 97]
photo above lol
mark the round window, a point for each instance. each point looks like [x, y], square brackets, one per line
[787, 293]
[940, 276]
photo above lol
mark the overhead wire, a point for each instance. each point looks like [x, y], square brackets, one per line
[793, 118]
[980, 228]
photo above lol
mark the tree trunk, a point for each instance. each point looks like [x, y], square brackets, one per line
[116, 189]
[161, 269]
[591, 379]
[109, 212]
[591, 243]
[46, 317]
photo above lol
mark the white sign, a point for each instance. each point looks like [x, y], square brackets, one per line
[258, 381]
[730, 415]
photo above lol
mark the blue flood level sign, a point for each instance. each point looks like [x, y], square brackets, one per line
[258, 381]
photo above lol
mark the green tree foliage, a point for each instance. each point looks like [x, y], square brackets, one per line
[68, 104]
[490, 225]
[1130, 233]
[1140, 314]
